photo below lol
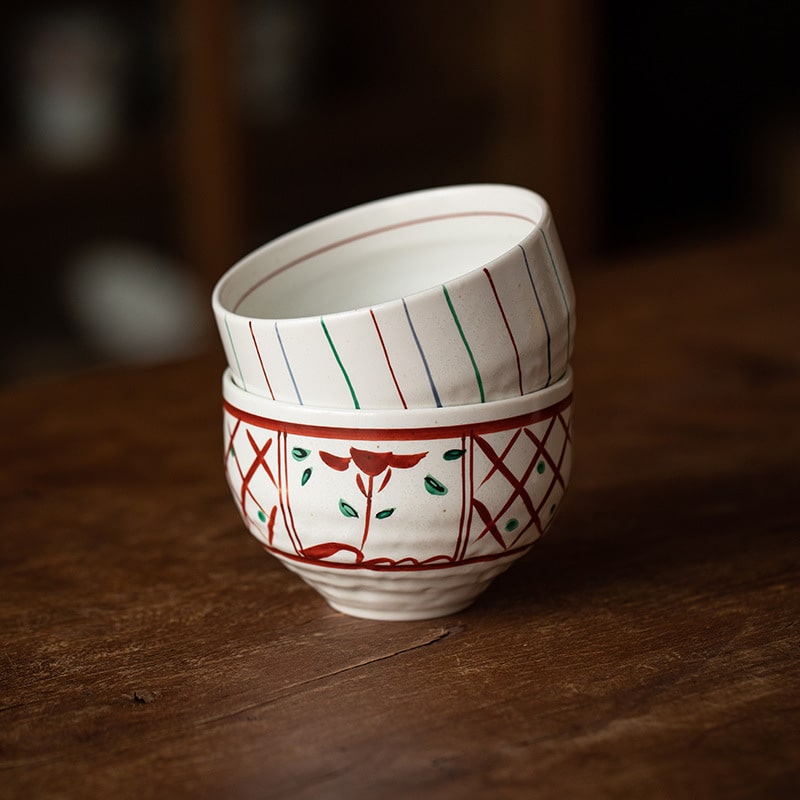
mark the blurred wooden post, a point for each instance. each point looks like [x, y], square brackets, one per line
[546, 52]
[207, 137]
[567, 84]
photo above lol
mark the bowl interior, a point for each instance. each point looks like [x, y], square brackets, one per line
[380, 252]
[383, 265]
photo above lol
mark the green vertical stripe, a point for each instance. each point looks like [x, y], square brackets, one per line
[235, 354]
[466, 344]
[339, 362]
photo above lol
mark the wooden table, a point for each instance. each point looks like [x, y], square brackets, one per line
[648, 647]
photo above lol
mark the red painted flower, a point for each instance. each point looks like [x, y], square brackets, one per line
[370, 464]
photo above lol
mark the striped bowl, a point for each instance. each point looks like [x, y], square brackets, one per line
[399, 514]
[436, 298]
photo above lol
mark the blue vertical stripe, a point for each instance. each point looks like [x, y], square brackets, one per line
[288, 365]
[235, 354]
[436, 397]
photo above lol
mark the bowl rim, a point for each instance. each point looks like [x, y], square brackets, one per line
[340, 422]
[222, 311]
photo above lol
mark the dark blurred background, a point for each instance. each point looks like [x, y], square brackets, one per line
[145, 146]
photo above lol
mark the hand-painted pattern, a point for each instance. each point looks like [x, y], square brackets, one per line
[490, 490]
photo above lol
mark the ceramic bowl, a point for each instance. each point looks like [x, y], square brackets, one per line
[399, 514]
[442, 297]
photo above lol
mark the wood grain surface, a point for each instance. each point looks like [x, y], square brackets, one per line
[646, 648]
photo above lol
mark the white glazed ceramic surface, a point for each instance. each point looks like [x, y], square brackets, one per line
[400, 514]
[436, 298]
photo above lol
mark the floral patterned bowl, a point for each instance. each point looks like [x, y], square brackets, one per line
[442, 297]
[398, 515]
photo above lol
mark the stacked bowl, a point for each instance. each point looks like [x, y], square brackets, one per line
[398, 397]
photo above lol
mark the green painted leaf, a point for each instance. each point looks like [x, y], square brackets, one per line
[512, 524]
[453, 455]
[387, 512]
[433, 486]
[306, 476]
[541, 467]
[300, 453]
[262, 516]
[347, 509]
